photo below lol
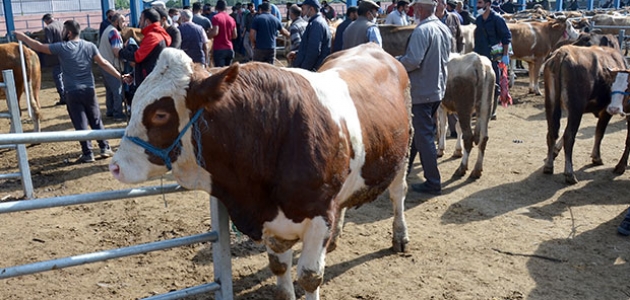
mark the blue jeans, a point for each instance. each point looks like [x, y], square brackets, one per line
[83, 109]
[223, 57]
[424, 126]
[58, 78]
[113, 95]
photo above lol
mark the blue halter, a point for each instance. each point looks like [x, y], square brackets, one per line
[163, 153]
[620, 92]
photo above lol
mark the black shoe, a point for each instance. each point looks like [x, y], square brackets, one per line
[624, 227]
[493, 118]
[423, 188]
[85, 158]
[60, 103]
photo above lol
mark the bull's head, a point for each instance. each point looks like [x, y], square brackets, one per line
[619, 91]
[159, 135]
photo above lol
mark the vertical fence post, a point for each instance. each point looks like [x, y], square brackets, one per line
[16, 124]
[221, 249]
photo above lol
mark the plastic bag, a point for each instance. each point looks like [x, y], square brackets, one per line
[504, 83]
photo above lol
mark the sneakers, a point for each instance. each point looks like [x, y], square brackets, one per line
[85, 158]
[423, 188]
[624, 227]
[107, 152]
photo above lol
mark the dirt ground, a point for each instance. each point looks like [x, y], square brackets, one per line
[515, 233]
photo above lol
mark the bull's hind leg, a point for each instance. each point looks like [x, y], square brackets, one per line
[280, 265]
[573, 123]
[602, 123]
[467, 137]
[442, 129]
[310, 269]
[397, 194]
[553, 114]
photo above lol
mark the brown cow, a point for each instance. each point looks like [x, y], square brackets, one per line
[608, 20]
[285, 154]
[469, 89]
[533, 41]
[10, 59]
[578, 80]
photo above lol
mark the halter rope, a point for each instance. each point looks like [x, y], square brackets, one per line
[163, 153]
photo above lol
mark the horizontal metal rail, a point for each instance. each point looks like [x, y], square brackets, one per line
[10, 175]
[15, 206]
[71, 261]
[60, 136]
[195, 290]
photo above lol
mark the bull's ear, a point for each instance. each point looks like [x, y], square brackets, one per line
[214, 87]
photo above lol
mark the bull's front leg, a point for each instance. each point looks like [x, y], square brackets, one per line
[310, 268]
[397, 194]
[623, 162]
[602, 123]
[280, 263]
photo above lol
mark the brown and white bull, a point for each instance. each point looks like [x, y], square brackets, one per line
[578, 80]
[620, 99]
[469, 89]
[533, 41]
[10, 60]
[286, 150]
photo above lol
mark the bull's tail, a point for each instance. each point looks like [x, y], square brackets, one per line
[34, 74]
[485, 94]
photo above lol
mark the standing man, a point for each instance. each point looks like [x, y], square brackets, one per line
[145, 56]
[250, 13]
[173, 32]
[223, 31]
[108, 15]
[298, 25]
[76, 57]
[109, 46]
[194, 39]
[491, 32]
[52, 34]
[173, 13]
[399, 15]
[315, 44]
[364, 29]
[351, 16]
[263, 34]
[201, 20]
[425, 60]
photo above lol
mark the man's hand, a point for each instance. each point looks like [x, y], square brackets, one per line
[291, 55]
[506, 60]
[127, 78]
[20, 36]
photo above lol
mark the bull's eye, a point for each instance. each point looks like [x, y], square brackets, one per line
[160, 117]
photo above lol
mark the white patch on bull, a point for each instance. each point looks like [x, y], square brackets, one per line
[571, 32]
[333, 93]
[170, 78]
[533, 32]
[616, 100]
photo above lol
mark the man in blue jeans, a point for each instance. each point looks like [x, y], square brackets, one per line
[110, 44]
[76, 57]
[624, 227]
[52, 34]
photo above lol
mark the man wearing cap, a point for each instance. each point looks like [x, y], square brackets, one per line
[315, 44]
[53, 34]
[492, 30]
[351, 16]
[364, 29]
[425, 60]
[399, 15]
[450, 7]
[263, 34]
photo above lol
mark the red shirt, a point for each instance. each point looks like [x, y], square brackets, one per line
[226, 25]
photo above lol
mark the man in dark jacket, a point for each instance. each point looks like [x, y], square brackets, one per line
[145, 56]
[315, 44]
[351, 15]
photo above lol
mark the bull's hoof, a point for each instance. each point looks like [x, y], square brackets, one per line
[457, 154]
[570, 178]
[619, 169]
[281, 294]
[331, 246]
[538, 93]
[461, 171]
[400, 245]
[597, 161]
[548, 170]
[475, 174]
[440, 152]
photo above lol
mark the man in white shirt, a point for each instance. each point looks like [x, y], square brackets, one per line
[399, 15]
